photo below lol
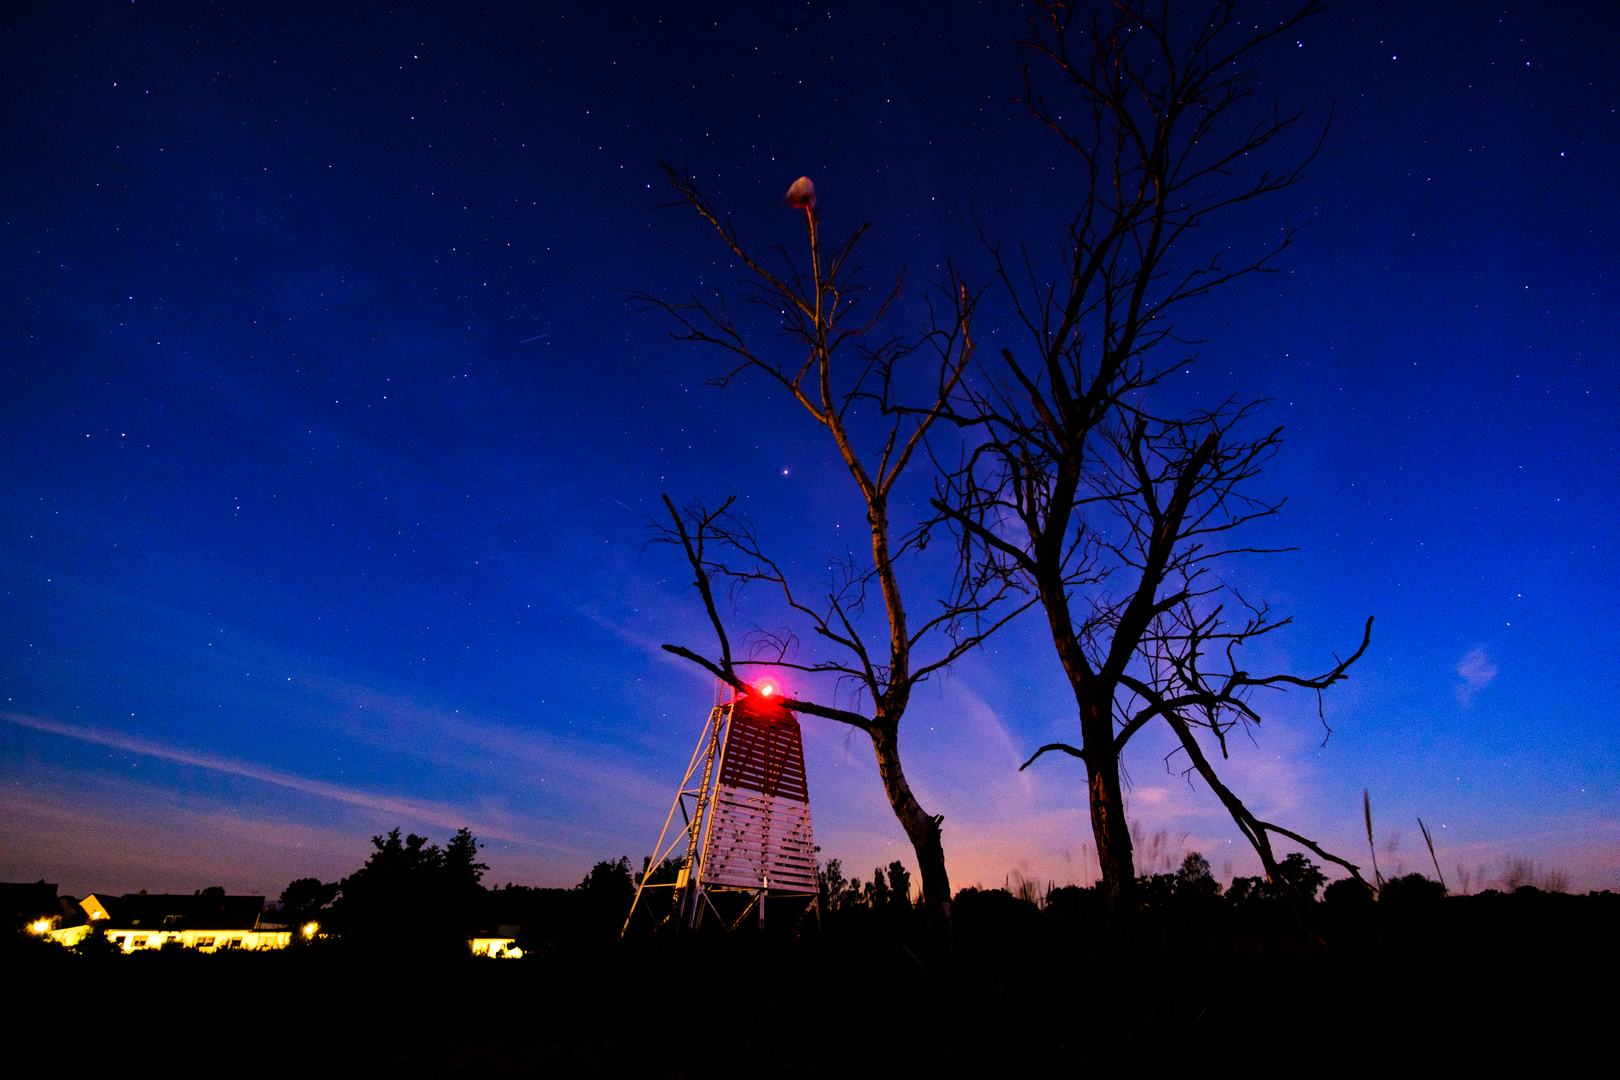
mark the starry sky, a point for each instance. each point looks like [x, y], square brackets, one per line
[332, 438]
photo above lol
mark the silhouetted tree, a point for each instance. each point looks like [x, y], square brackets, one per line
[1195, 880]
[1112, 513]
[1348, 893]
[877, 891]
[1412, 890]
[463, 879]
[1155, 890]
[1305, 876]
[607, 891]
[899, 885]
[1295, 878]
[845, 371]
[306, 900]
[412, 894]
[609, 879]
[830, 883]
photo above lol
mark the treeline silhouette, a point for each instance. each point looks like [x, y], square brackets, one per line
[412, 897]
[411, 894]
[415, 901]
[1029, 978]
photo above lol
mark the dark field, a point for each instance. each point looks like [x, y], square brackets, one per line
[1485, 981]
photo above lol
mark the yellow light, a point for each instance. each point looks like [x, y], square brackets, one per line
[311, 929]
[43, 926]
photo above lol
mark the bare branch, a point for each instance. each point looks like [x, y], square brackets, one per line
[1104, 508]
[840, 361]
[692, 544]
[1065, 747]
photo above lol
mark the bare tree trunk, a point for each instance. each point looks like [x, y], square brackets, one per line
[921, 828]
[816, 308]
[1117, 505]
[1115, 858]
[1109, 829]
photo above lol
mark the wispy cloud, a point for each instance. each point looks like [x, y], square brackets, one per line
[1476, 671]
[100, 832]
[118, 836]
[431, 813]
[451, 738]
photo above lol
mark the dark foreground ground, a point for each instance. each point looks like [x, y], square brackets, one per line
[1462, 983]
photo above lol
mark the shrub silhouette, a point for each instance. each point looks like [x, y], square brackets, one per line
[1413, 890]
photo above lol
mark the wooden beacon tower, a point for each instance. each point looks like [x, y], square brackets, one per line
[746, 813]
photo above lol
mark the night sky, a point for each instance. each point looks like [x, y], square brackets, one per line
[331, 440]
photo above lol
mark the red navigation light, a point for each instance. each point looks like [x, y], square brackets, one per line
[767, 689]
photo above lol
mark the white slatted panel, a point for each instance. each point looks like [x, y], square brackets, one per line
[754, 835]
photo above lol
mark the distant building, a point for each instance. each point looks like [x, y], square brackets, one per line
[207, 921]
[504, 948]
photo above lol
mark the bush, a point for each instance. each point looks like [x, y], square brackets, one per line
[1413, 890]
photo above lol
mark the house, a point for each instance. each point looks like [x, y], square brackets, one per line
[505, 948]
[207, 920]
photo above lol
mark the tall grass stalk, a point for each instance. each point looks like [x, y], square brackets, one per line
[1427, 839]
[1366, 812]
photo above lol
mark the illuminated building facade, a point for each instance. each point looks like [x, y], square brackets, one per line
[207, 923]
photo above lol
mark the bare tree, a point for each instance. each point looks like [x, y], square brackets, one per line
[839, 361]
[1115, 516]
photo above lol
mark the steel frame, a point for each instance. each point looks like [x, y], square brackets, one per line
[691, 887]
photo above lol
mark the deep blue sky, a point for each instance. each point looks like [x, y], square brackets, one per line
[331, 441]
